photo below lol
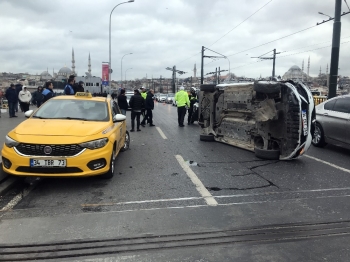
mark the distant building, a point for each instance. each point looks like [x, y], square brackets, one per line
[295, 73]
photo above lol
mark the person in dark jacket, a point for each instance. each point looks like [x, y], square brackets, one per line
[12, 99]
[80, 87]
[38, 98]
[136, 103]
[48, 91]
[19, 88]
[149, 106]
[122, 102]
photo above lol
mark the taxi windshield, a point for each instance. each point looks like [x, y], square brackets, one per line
[70, 109]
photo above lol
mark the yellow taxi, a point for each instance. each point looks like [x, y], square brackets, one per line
[76, 135]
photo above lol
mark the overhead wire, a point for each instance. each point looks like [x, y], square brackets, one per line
[272, 41]
[241, 23]
[229, 31]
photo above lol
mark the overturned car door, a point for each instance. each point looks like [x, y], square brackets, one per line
[273, 119]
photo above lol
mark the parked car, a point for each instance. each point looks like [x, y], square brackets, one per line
[169, 98]
[162, 98]
[128, 96]
[271, 118]
[333, 122]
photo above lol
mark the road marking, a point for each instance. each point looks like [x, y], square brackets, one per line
[142, 201]
[161, 133]
[195, 180]
[330, 164]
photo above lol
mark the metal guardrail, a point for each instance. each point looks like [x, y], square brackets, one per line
[319, 99]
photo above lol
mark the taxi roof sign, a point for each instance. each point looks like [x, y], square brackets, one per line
[83, 94]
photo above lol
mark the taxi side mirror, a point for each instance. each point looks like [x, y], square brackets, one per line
[119, 118]
[28, 113]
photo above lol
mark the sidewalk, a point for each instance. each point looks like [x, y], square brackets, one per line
[6, 125]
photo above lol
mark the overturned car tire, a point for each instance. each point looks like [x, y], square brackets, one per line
[208, 88]
[208, 138]
[267, 154]
[267, 87]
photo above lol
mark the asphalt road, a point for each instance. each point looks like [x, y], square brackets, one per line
[175, 198]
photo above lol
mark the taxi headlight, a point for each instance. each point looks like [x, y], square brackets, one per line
[9, 142]
[95, 144]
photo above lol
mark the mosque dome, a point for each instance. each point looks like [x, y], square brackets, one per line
[294, 73]
[45, 73]
[65, 70]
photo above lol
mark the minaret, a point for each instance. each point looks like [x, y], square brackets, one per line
[302, 71]
[89, 65]
[308, 68]
[327, 70]
[73, 62]
[320, 71]
[195, 71]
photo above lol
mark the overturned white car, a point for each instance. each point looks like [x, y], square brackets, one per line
[273, 119]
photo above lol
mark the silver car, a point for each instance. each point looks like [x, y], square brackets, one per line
[333, 122]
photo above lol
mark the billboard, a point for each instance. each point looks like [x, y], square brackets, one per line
[105, 75]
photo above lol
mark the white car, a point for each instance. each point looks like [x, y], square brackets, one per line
[276, 120]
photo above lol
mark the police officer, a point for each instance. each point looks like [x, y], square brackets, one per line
[144, 96]
[193, 99]
[182, 101]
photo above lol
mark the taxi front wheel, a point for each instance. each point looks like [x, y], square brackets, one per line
[110, 172]
[126, 142]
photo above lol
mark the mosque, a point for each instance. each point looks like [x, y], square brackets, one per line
[92, 83]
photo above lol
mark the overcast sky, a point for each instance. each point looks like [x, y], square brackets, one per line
[40, 34]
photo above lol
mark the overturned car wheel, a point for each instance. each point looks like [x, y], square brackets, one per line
[208, 88]
[208, 138]
[267, 154]
[267, 87]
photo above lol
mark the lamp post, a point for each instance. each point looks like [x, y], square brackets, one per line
[110, 52]
[229, 67]
[324, 14]
[125, 73]
[121, 69]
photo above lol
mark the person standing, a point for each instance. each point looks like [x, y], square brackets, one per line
[12, 99]
[37, 98]
[24, 97]
[136, 104]
[144, 95]
[193, 99]
[149, 106]
[1, 96]
[122, 102]
[68, 89]
[181, 98]
[48, 92]
[18, 88]
[80, 87]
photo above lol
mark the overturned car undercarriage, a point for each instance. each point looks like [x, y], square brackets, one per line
[273, 119]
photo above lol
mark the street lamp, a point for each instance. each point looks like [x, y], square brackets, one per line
[125, 73]
[110, 52]
[229, 67]
[121, 69]
[324, 14]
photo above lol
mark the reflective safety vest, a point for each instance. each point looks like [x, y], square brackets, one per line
[144, 95]
[181, 98]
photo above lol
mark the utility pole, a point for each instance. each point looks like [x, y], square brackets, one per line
[333, 72]
[273, 58]
[202, 65]
[173, 84]
[274, 62]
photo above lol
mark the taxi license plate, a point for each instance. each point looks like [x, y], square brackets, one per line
[304, 117]
[48, 162]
